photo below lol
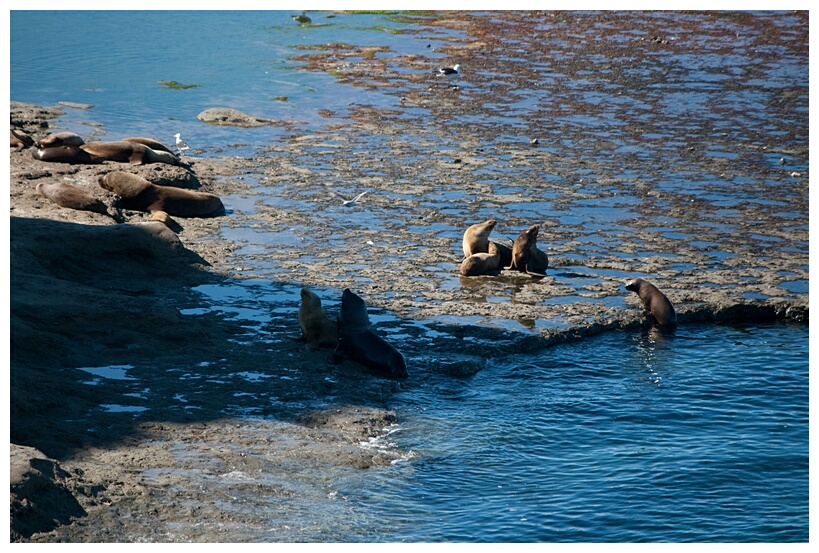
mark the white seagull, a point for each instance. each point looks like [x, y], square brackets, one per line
[181, 144]
[348, 203]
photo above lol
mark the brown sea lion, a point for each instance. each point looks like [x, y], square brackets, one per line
[476, 238]
[166, 219]
[141, 195]
[359, 343]
[129, 152]
[153, 144]
[482, 263]
[525, 255]
[60, 139]
[20, 140]
[316, 328]
[66, 195]
[654, 301]
[66, 154]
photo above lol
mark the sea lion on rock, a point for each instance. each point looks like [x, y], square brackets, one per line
[654, 301]
[142, 195]
[60, 139]
[153, 144]
[66, 195]
[525, 255]
[66, 154]
[359, 343]
[316, 328]
[129, 152]
[482, 263]
[476, 238]
[20, 139]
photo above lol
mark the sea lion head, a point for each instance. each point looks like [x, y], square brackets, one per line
[634, 284]
[353, 312]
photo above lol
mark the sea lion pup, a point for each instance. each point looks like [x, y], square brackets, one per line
[654, 301]
[153, 144]
[482, 263]
[359, 343]
[525, 255]
[141, 195]
[60, 139]
[316, 328]
[66, 195]
[19, 139]
[66, 154]
[476, 238]
[129, 152]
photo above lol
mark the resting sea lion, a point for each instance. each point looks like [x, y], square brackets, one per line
[316, 328]
[20, 140]
[60, 139]
[654, 301]
[476, 238]
[359, 343]
[525, 255]
[482, 263]
[129, 152]
[141, 195]
[153, 144]
[66, 154]
[66, 195]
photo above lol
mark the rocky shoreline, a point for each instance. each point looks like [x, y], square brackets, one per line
[87, 291]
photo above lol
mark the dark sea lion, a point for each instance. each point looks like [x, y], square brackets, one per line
[66, 195]
[60, 139]
[482, 263]
[153, 144]
[505, 254]
[316, 328]
[476, 238]
[654, 301]
[66, 154]
[525, 255]
[141, 195]
[359, 343]
[129, 152]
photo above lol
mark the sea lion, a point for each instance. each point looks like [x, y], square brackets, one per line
[525, 255]
[20, 139]
[153, 144]
[316, 328]
[66, 154]
[654, 301]
[56, 139]
[166, 219]
[476, 238]
[66, 195]
[359, 343]
[482, 263]
[129, 152]
[141, 195]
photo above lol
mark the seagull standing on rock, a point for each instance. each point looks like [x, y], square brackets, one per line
[181, 144]
[450, 72]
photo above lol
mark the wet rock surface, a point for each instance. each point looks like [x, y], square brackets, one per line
[87, 291]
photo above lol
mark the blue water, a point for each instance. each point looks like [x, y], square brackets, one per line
[700, 435]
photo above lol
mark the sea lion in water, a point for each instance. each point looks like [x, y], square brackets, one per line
[316, 328]
[482, 263]
[66, 154]
[153, 144]
[525, 255]
[359, 343]
[142, 195]
[654, 301]
[476, 238]
[60, 139]
[66, 195]
[129, 152]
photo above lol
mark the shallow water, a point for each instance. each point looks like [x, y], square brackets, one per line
[700, 435]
